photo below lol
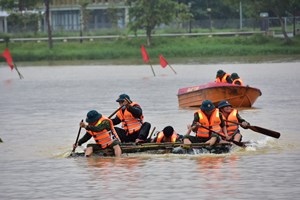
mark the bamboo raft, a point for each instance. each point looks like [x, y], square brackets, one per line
[164, 148]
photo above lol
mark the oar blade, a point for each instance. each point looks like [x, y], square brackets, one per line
[240, 144]
[265, 131]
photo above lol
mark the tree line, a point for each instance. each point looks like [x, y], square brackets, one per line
[148, 15]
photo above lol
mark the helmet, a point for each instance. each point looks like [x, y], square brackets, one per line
[122, 97]
[220, 73]
[223, 104]
[168, 131]
[92, 116]
[207, 105]
[234, 76]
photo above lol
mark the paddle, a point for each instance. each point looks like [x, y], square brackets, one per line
[149, 139]
[110, 116]
[258, 129]
[240, 144]
[76, 140]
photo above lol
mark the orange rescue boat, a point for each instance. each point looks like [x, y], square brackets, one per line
[238, 96]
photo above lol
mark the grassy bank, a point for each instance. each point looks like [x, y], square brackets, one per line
[179, 49]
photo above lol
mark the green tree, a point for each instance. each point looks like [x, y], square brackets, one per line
[19, 5]
[113, 15]
[84, 14]
[280, 9]
[23, 22]
[145, 14]
[183, 14]
[47, 14]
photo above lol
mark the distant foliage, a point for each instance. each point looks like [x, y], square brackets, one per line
[256, 39]
[23, 22]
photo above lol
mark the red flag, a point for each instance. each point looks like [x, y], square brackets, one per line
[7, 56]
[144, 54]
[163, 61]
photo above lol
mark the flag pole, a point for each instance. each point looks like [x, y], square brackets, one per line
[20, 75]
[172, 68]
[152, 68]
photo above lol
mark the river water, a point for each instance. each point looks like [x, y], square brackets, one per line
[39, 119]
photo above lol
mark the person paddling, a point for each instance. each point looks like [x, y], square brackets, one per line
[102, 130]
[231, 114]
[168, 134]
[208, 117]
[134, 129]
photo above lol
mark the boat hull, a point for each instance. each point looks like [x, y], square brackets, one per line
[236, 95]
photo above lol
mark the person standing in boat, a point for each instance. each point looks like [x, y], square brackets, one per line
[223, 77]
[231, 114]
[167, 135]
[208, 125]
[102, 130]
[134, 129]
[236, 79]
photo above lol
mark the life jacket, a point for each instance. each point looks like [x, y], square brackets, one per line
[223, 79]
[105, 137]
[129, 123]
[213, 123]
[161, 136]
[238, 80]
[232, 127]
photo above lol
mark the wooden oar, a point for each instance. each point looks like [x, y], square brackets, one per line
[258, 129]
[151, 133]
[240, 144]
[110, 116]
[74, 148]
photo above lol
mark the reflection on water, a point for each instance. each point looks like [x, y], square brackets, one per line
[39, 118]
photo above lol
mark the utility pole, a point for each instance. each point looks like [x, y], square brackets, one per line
[241, 15]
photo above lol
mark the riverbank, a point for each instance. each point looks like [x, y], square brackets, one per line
[196, 60]
[241, 49]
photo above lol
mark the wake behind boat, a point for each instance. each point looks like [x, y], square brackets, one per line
[238, 96]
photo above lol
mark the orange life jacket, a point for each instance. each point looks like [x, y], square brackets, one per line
[223, 80]
[213, 123]
[238, 80]
[129, 123]
[161, 136]
[105, 137]
[232, 127]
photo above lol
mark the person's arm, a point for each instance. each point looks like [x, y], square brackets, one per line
[179, 138]
[116, 120]
[195, 121]
[136, 110]
[223, 126]
[243, 122]
[84, 139]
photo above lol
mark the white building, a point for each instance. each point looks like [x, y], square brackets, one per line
[3, 21]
